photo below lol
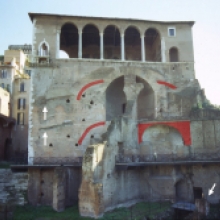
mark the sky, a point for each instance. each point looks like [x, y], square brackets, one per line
[16, 27]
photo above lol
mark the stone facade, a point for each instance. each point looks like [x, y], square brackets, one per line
[117, 105]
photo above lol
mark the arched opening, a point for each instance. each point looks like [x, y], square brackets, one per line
[173, 54]
[152, 45]
[182, 191]
[90, 42]
[112, 43]
[163, 140]
[132, 44]
[145, 101]
[69, 40]
[44, 49]
[115, 99]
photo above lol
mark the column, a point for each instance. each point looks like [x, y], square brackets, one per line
[80, 45]
[58, 44]
[122, 48]
[142, 49]
[101, 46]
[163, 55]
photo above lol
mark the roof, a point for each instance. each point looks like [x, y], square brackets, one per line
[33, 15]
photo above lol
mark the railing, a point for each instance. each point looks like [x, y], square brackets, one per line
[46, 161]
[134, 158]
[205, 113]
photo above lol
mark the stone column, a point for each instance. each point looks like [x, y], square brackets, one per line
[122, 48]
[59, 184]
[58, 44]
[101, 46]
[80, 45]
[163, 55]
[142, 49]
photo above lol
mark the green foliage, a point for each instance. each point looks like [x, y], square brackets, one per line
[136, 212]
[4, 165]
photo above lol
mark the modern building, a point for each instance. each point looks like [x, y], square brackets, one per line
[119, 119]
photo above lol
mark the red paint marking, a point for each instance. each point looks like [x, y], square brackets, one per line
[166, 84]
[84, 88]
[88, 130]
[182, 126]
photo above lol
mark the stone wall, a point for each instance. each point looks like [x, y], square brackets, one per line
[13, 187]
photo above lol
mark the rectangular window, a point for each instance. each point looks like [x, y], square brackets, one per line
[4, 74]
[20, 119]
[21, 103]
[171, 32]
[8, 87]
[3, 85]
[22, 87]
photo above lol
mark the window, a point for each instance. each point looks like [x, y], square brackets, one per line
[172, 32]
[8, 87]
[4, 74]
[21, 103]
[22, 87]
[28, 72]
[20, 119]
[173, 54]
[3, 85]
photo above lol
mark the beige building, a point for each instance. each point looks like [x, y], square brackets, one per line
[118, 120]
[14, 78]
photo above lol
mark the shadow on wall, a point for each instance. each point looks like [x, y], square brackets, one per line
[162, 139]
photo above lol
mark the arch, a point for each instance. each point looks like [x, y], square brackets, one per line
[132, 43]
[182, 190]
[43, 48]
[88, 130]
[112, 42]
[182, 126]
[84, 88]
[69, 39]
[90, 42]
[145, 101]
[115, 99]
[173, 54]
[152, 45]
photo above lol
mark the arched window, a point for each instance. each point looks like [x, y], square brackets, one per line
[115, 99]
[43, 49]
[132, 44]
[90, 42]
[112, 43]
[152, 45]
[173, 54]
[69, 40]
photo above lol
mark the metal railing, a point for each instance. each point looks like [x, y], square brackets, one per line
[135, 158]
[46, 161]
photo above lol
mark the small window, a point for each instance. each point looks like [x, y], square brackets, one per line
[22, 87]
[4, 74]
[8, 87]
[3, 85]
[172, 32]
[20, 119]
[21, 103]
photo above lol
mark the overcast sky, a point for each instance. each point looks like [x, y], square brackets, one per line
[16, 27]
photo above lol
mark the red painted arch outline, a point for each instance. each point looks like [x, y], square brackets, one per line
[84, 88]
[166, 84]
[182, 126]
[88, 130]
